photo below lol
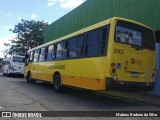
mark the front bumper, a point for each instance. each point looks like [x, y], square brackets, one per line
[16, 72]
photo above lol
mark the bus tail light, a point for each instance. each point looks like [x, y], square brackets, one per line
[113, 70]
[113, 65]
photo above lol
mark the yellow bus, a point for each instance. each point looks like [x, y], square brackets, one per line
[113, 54]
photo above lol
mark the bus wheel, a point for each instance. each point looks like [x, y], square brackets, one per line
[57, 83]
[29, 78]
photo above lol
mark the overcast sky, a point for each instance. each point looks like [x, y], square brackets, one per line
[12, 11]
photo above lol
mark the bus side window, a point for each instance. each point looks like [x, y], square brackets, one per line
[42, 55]
[60, 46]
[72, 47]
[54, 51]
[102, 40]
[91, 43]
[50, 53]
[31, 56]
[80, 44]
[27, 57]
[36, 55]
[65, 52]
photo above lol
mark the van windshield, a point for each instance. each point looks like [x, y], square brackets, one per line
[137, 36]
[18, 59]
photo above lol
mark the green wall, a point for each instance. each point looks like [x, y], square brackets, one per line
[93, 11]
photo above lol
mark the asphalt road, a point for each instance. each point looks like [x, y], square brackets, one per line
[17, 95]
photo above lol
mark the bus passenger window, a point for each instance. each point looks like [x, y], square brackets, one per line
[72, 47]
[60, 46]
[65, 52]
[36, 55]
[91, 43]
[101, 48]
[72, 42]
[54, 51]
[72, 52]
[27, 56]
[49, 54]
[92, 49]
[31, 56]
[80, 44]
[42, 55]
[92, 37]
[102, 36]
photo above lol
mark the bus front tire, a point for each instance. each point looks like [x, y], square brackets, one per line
[57, 83]
[29, 79]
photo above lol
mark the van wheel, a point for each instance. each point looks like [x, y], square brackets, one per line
[29, 78]
[109, 84]
[57, 83]
[8, 74]
[4, 74]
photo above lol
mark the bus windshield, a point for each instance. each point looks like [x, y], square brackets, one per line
[18, 59]
[137, 36]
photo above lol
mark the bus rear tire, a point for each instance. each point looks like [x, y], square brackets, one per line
[57, 83]
[29, 78]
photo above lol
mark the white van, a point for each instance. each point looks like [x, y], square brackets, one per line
[14, 65]
[1, 64]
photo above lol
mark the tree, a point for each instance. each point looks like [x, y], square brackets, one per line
[29, 34]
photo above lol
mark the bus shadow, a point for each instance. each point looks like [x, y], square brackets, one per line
[92, 96]
[82, 95]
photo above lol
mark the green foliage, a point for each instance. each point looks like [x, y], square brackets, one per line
[29, 34]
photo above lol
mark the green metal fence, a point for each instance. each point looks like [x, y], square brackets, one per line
[93, 11]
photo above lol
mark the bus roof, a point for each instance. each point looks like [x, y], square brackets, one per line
[100, 24]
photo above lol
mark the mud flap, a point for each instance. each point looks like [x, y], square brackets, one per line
[109, 84]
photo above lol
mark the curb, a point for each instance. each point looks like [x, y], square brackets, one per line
[133, 96]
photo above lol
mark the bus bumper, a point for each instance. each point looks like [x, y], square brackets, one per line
[16, 72]
[128, 85]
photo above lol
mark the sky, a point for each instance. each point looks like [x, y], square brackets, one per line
[12, 11]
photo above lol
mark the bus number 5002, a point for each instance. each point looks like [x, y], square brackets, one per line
[118, 51]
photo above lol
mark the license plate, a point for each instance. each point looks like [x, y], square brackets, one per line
[135, 74]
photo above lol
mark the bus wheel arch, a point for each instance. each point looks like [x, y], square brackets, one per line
[29, 78]
[57, 82]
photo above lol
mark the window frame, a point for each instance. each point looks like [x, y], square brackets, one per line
[80, 49]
